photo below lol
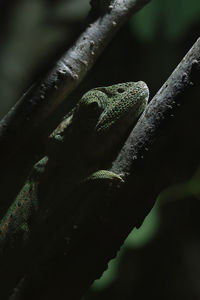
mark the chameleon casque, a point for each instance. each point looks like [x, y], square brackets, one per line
[80, 150]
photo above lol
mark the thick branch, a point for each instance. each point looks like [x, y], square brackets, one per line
[30, 113]
[24, 129]
[162, 106]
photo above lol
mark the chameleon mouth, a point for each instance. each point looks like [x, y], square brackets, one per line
[143, 90]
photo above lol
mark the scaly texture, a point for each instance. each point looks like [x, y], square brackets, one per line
[78, 146]
[79, 150]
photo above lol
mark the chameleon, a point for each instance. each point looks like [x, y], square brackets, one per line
[89, 135]
[78, 154]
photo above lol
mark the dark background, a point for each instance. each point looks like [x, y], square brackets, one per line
[161, 260]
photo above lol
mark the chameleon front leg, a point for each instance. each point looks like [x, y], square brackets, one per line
[94, 194]
[105, 176]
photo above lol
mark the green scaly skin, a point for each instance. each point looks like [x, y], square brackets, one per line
[79, 150]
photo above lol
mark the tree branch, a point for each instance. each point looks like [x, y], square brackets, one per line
[38, 103]
[160, 108]
[24, 130]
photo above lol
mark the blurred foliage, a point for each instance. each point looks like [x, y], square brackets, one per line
[34, 35]
[150, 229]
[184, 190]
[170, 17]
[140, 237]
[137, 238]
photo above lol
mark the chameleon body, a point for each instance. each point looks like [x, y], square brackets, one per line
[57, 204]
[79, 151]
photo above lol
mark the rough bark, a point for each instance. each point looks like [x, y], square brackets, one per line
[24, 130]
[32, 110]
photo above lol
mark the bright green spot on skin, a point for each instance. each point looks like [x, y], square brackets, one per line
[59, 138]
[25, 227]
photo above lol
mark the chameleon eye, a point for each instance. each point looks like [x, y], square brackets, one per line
[120, 90]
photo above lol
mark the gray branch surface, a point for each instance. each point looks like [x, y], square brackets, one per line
[161, 107]
[39, 102]
[24, 130]
[103, 221]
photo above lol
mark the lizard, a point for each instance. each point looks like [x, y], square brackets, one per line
[79, 151]
[88, 137]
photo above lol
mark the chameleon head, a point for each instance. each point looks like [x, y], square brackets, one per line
[125, 103]
[104, 116]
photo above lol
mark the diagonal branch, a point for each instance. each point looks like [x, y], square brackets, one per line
[161, 106]
[24, 130]
[32, 110]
